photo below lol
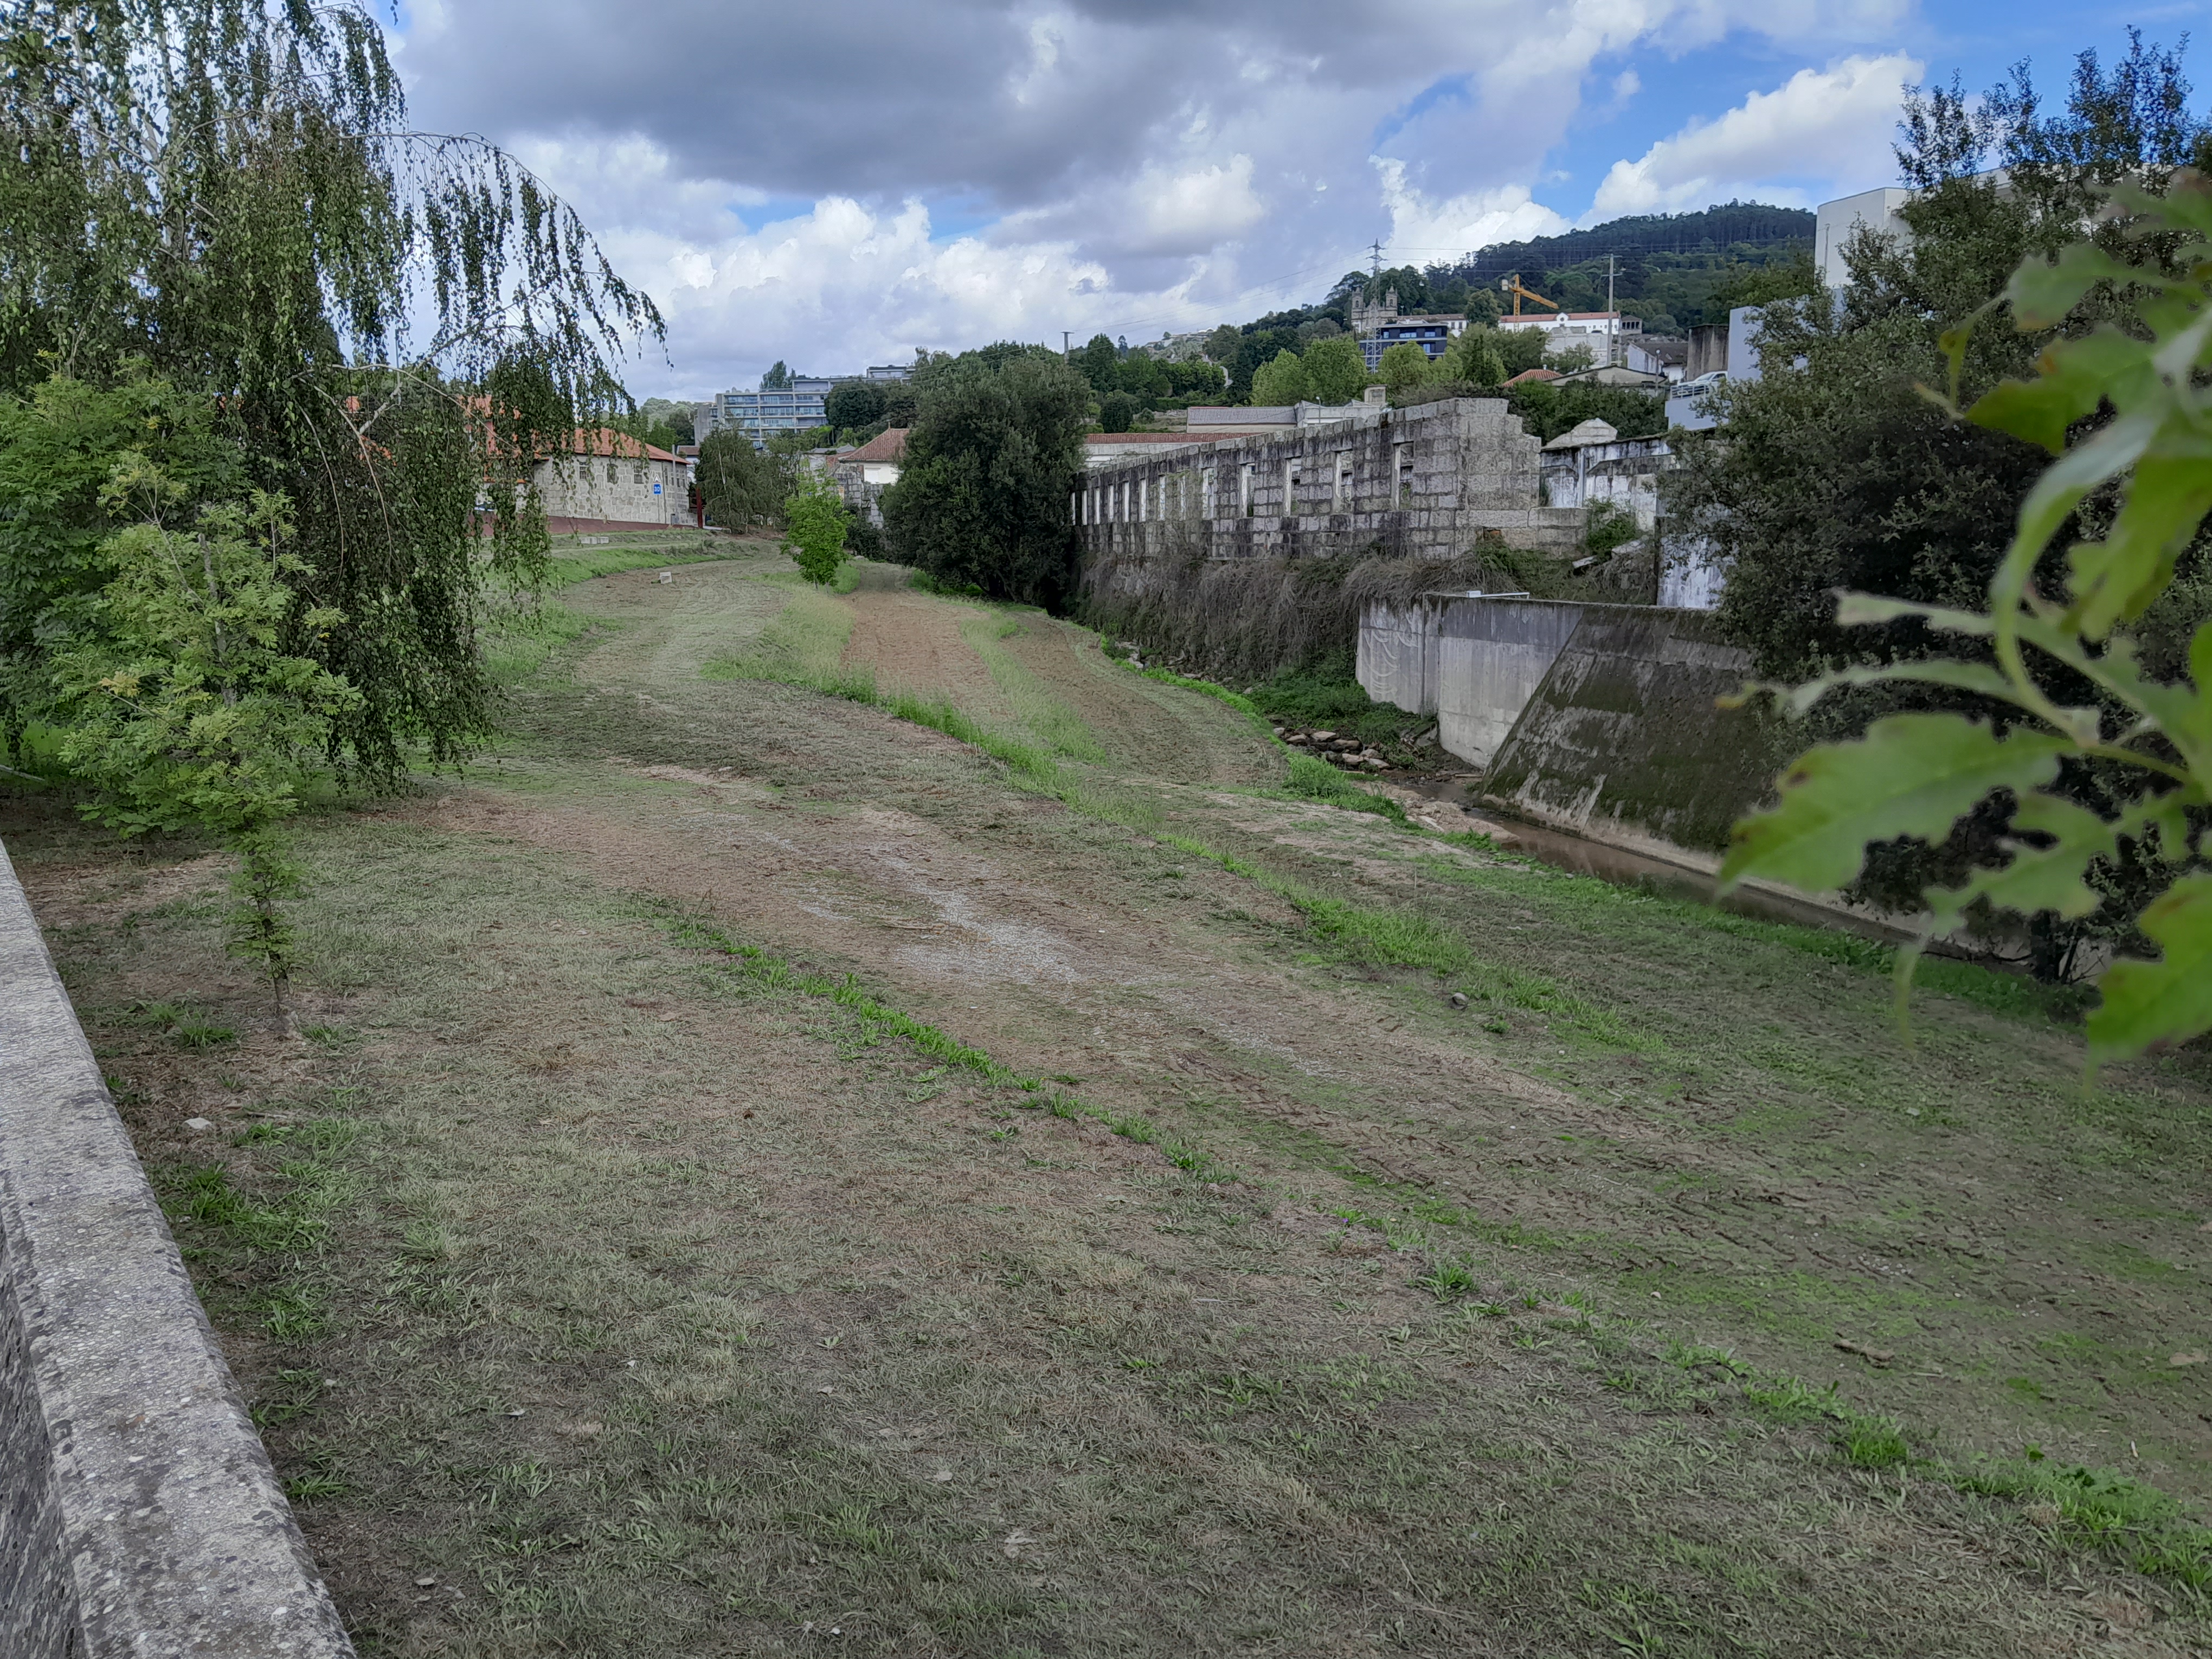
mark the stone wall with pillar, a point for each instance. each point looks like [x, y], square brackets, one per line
[1436, 480]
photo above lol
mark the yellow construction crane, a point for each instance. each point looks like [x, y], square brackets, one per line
[1510, 283]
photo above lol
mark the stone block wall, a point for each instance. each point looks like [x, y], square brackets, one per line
[1432, 481]
[140, 1516]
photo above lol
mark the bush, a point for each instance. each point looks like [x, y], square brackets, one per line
[817, 520]
[1117, 412]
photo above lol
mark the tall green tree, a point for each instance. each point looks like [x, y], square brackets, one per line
[778, 378]
[853, 404]
[1335, 370]
[394, 326]
[1281, 382]
[994, 456]
[1101, 365]
[740, 486]
[1403, 367]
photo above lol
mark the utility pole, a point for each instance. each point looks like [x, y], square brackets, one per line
[1611, 320]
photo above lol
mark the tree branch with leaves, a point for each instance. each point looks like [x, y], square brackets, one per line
[1916, 774]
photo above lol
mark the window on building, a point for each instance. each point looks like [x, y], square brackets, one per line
[1244, 489]
[1343, 493]
[641, 475]
[1403, 459]
[1290, 481]
[610, 471]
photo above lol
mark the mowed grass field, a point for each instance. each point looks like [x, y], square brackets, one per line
[865, 1126]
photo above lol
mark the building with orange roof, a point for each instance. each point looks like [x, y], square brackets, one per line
[608, 480]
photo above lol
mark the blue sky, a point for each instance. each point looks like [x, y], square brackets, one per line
[835, 186]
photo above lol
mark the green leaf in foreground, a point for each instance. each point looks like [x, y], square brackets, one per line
[2154, 1005]
[1912, 774]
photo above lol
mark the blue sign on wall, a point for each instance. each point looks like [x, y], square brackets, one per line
[656, 489]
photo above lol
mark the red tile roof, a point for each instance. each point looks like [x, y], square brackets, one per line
[1527, 374]
[889, 445]
[606, 441]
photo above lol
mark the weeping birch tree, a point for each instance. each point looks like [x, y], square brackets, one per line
[221, 204]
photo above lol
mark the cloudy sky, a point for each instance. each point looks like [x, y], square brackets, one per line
[836, 184]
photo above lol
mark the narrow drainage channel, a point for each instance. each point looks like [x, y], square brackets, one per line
[1625, 868]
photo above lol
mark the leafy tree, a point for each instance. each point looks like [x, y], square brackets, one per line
[853, 404]
[1515, 350]
[1475, 358]
[739, 485]
[1117, 412]
[1568, 359]
[1841, 474]
[1548, 408]
[1101, 365]
[2146, 736]
[1335, 370]
[992, 461]
[1281, 382]
[899, 405]
[397, 324]
[1254, 349]
[778, 378]
[1796, 278]
[1482, 308]
[815, 518]
[1221, 345]
[1403, 367]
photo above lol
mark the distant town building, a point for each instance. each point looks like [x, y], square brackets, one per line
[1603, 331]
[609, 480]
[1431, 334]
[799, 407]
[890, 371]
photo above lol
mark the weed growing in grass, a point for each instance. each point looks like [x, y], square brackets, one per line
[1448, 1281]
[2102, 1510]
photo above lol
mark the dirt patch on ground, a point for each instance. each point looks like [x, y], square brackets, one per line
[913, 643]
[1147, 728]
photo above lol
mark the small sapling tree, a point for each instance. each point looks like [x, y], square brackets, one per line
[178, 702]
[815, 519]
[2135, 403]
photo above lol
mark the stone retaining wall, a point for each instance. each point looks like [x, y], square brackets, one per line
[141, 1515]
[1433, 480]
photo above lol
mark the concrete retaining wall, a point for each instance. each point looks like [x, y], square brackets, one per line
[1600, 719]
[1623, 740]
[1491, 655]
[141, 1515]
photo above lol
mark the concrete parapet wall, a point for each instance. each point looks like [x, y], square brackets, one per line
[142, 1515]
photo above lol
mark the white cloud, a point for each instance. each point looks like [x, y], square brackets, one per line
[1831, 124]
[1422, 231]
[950, 171]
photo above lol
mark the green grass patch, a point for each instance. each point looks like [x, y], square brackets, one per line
[1405, 939]
[1052, 722]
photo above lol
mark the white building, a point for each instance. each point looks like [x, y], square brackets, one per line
[609, 480]
[1835, 222]
[1600, 331]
